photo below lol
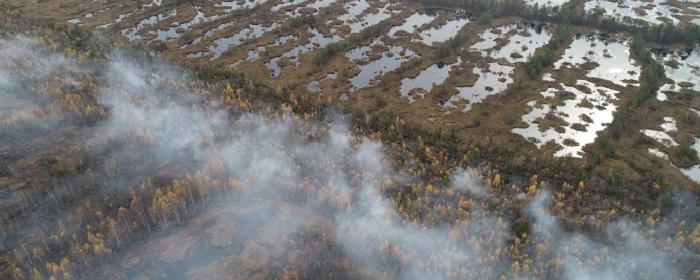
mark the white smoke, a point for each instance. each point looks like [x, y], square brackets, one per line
[25, 100]
[622, 251]
[297, 174]
[468, 180]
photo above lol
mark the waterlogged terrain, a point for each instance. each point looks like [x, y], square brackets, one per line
[412, 23]
[665, 139]
[134, 33]
[570, 116]
[389, 46]
[441, 33]
[682, 67]
[602, 59]
[513, 42]
[492, 80]
[390, 60]
[328, 139]
[419, 86]
[654, 12]
[292, 57]
[675, 139]
[221, 45]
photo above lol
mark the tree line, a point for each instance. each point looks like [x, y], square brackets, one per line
[570, 14]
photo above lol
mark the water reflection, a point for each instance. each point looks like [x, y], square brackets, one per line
[357, 25]
[611, 59]
[311, 9]
[251, 32]
[317, 40]
[119, 19]
[653, 11]
[662, 136]
[153, 3]
[550, 3]
[193, 55]
[390, 60]
[132, 33]
[256, 53]
[683, 68]
[658, 153]
[692, 172]
[443, 32]
[523, 39]
[286, 3]
[491, 81]
[235, 5]
[314, 86]
[412, 23]
[434, 75]
[176, 30]
[209, 33]
[318, 4]
[569, 117]
[353, 9]
[358, 54]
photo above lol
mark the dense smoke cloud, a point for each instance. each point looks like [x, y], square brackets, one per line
[151, 102]
[308, 193]
[623, 251]
[27, 68]
[420, 253]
